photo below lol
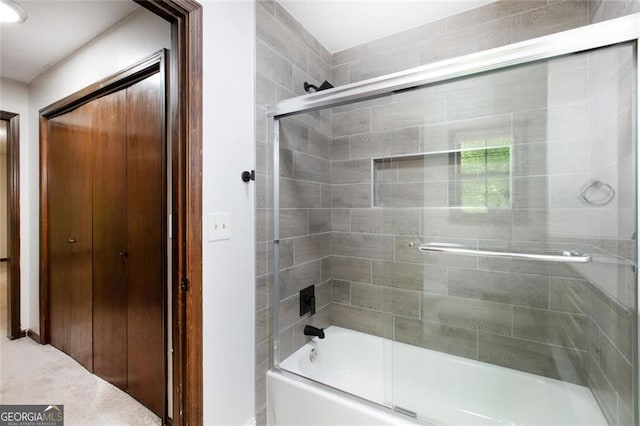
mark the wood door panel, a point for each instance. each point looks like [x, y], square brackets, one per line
[107, 192]
[70, 236]
[145, 240]
[109, 239]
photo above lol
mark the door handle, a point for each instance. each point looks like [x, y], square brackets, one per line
[71, 240]
[123, 253]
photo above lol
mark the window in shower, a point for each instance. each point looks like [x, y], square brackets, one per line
[482, 179]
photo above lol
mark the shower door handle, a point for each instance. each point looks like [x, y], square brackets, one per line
[566, 256]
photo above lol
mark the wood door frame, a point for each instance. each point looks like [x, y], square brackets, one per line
[184, 122]
[14, 328]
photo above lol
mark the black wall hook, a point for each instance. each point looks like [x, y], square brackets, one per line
[248, 175]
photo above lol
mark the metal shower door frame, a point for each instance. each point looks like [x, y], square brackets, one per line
[603, 34]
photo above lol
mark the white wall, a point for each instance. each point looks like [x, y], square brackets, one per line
[107, 54]
[228, 266]
[14, 97]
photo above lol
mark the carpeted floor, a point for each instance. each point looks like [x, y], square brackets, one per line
[35, 374]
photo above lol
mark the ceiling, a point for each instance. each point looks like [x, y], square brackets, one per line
[54, 30]
[341, 24]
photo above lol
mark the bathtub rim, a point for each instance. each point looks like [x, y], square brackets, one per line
[319, 386]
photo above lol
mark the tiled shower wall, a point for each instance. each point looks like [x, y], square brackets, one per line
[286, 56]
[612, 297]
[327, 224]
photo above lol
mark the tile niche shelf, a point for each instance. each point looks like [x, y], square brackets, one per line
[473, 179]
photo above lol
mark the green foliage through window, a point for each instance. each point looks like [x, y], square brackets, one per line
[482, 179]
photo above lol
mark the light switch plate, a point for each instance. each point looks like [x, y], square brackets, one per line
[219, 226]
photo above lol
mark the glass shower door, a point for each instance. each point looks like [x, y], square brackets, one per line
[510, 293]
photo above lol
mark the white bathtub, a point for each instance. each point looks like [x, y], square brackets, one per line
[442, 389]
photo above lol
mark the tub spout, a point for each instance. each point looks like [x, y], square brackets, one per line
[310, 330]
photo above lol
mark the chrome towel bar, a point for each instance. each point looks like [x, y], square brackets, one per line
[566, 256]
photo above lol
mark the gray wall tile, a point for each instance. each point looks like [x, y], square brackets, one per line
[341, 292]
[358, 319]
[468, 40]
[516, 289]
[263, 258]
[318, 69]
[264, 284]
[351, 122]
[311, 247]
[367, 221]
[293, 222]
[453, 340]
[401, 275]
[623, 331]
[323, 295]
[351, 269]
[307, 167]
[319, 144]
[520, 266]
[289, 314]
[617, 369]
[600, 310]
[286, 163]
[298, 194]
[401, 302]
[530, 192]
[407, 195]
[603, 391]
[273, 66]
[263, 324]
[264, 225]
[340, 148]
[530, 126]
[351, 195]
[494, 224]
[393, 142]
[319, 221]
[340, 75]
[385, 63]
[300, 33]
[401, 221]
[293, 135]
[362, 245]
[318, 120]
[269, 31]
[286, 253]
[366, 296]
[451, 134]
[341, 220]
[530, 225]
[497, 97]
[351, 171]
[568, 295]
[294, 279]
[556, 17]
[558, 328]
[546, 360]
[488, 317]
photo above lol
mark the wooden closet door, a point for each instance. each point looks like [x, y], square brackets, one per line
[110, 238]
[70, 233]
[145, 240]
